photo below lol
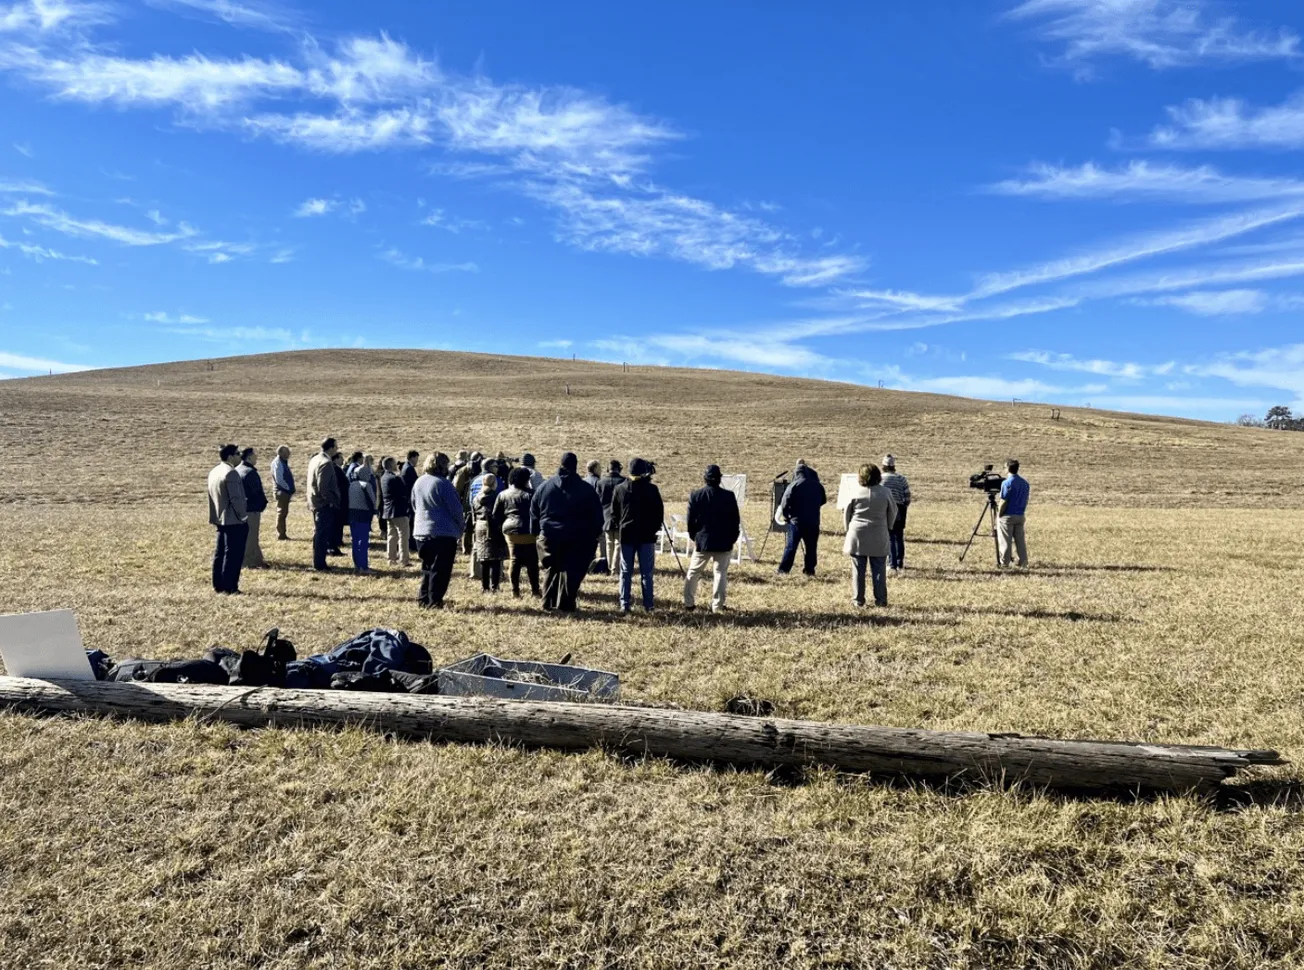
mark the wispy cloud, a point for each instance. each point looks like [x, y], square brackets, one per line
[1144, 181]
[1101, 368]
[37, 365]
[555, 344]
[441, 220]
[237, 334]
[314, 207]
[1279, 368]
[60, 221]
[1158, 33]
[23, 187]
[167, 318]
[41, 253]
[256, 15]
[1216, 303]
[24, 149]
[1231, 123]
[32, 18]
[403, 261]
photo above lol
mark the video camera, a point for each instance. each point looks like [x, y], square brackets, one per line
[987, 480]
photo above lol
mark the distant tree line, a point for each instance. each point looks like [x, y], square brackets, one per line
[1278, 419]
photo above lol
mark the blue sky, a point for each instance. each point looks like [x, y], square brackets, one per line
[1077, 201]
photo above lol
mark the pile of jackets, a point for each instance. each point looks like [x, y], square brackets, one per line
[377, 660]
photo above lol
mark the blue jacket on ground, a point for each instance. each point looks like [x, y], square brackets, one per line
[804, 497]
[566, 509]
[436, 509]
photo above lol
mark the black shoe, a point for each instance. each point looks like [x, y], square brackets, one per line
[689, 609]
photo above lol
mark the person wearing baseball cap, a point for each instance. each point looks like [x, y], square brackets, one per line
[900, 489]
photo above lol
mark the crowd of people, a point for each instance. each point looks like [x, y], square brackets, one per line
[514, 525]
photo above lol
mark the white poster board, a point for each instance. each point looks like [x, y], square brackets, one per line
[736, 484]
[47, 646]
[848, 486]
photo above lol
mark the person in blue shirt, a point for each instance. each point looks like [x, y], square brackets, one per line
[1011, 513]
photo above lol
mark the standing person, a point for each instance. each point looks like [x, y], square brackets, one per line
[410, 473]
[362, 506]
[714, 523]
[609, 548]
[567, 517]
[638, 512]
[226, 512]
[512, 510]
[283, 486]
[255, 505]
[323, 500]
[490, 544]
[1011, 514]
[869, 517]
[437, 523]
[466, 475]
[899, 486]
[536, 477]
[801, 505]
[396, 502]
[341, 504]
[591, 473]
[463, 458]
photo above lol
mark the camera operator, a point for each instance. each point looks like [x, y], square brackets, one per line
[1011, 512]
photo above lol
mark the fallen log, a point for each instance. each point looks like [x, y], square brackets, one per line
[1090, 766]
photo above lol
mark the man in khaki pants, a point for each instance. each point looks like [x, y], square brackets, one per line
[283, 483]
[715, 524]
[1011, 515]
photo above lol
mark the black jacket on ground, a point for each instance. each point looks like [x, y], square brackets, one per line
[566, 509]
[804, 497]
[713, 519]
[409, 474]
[396, 497]
[606, 489]
[637, 511]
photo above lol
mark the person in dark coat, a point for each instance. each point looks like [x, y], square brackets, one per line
[255, 504]
[637, 511]
[410, 472]
[714, 524]
[609, 548]
[512, 512]
[342, 505]
[801, 505]
[396, 505]
[567, 517]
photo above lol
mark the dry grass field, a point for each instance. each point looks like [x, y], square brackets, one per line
[1163, 604]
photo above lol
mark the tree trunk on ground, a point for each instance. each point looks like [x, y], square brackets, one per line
[1093, 766]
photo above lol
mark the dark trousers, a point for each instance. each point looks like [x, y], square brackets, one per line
[525, 556]
[491, 574]
[341, 520]
[565, 564]
[896, 541]
[228, 557]
[809, 537]
[437, 555]
[323, 535]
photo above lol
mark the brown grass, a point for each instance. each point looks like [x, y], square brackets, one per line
[1163, 605]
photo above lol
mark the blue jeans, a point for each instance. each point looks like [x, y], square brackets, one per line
[896, 540]
[646, 553]
[809, 537]
[878, 575]
[360, 531]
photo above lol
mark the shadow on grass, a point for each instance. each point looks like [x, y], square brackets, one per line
[1281, 793]
[1072, 616]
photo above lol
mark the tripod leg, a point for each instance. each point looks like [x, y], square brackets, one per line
[981, 517]
[996, 536]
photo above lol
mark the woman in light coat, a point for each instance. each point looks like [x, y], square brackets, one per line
[868, 517]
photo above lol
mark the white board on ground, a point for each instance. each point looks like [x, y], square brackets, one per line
[848, 486]
[47, 646]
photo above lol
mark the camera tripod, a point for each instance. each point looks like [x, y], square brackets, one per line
[988, 514]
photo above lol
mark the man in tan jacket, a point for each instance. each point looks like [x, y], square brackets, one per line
[227, 512]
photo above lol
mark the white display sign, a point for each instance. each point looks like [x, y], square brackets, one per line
[848, 486]
[736, 484]
[47, 646]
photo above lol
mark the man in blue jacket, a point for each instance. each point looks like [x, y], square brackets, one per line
[1011, 513]
[715, 524]
[567, 518]
[801, 506]
[283, 485]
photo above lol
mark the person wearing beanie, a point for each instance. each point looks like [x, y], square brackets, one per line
[714, 523]
[609, 547]
[900, 489]
[638, 512]
[536, 476]
[567, 517]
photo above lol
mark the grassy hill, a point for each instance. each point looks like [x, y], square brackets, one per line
[1163, 605]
